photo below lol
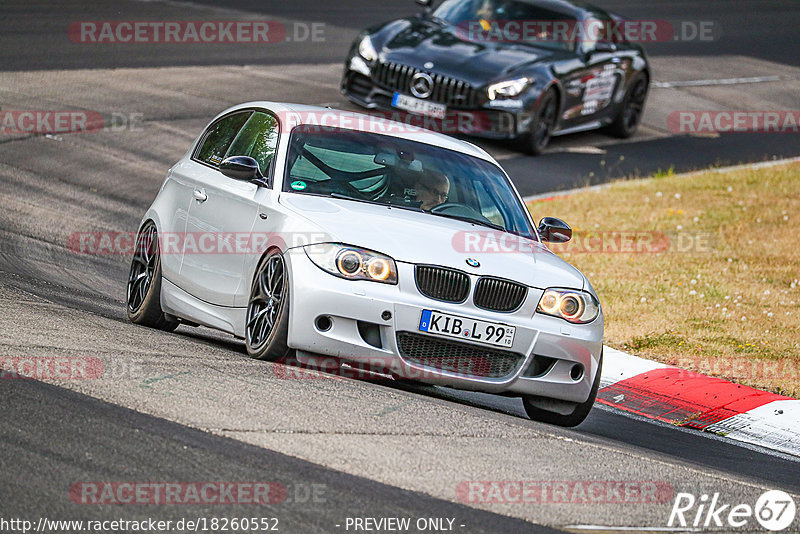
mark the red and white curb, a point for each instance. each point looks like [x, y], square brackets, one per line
[688, 399]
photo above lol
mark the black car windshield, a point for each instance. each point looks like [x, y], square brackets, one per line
[510, 21]
[387, 170]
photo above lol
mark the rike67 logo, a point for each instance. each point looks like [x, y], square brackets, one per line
[774, 510]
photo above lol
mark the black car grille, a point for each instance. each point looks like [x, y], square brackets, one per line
[440, 283]
[448, 91]
[456, 357]
[499, 295]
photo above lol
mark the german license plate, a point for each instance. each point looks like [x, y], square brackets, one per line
[416, 105]
[486, 332]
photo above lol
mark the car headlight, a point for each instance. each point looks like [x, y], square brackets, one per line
[569, 304]
[366, 50]
[508, 88]
[353, 263]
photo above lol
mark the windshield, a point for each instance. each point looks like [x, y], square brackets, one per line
[386, 170]
[510, 21]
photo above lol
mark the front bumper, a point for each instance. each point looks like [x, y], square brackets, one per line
[549, 350]
[484, 120]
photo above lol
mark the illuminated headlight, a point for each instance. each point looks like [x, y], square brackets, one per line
[366, 50]
[573, 306]
[353, 263]
[508, 88]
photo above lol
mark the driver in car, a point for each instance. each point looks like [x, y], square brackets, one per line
[431, 189]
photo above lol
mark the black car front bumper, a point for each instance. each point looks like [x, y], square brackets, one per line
[467, 110]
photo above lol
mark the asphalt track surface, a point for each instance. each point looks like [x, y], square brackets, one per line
[190, 406]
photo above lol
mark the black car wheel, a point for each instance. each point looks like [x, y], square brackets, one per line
[267, 326]
[629, 117]
[542, 126]
[144, 283]
[574, 418]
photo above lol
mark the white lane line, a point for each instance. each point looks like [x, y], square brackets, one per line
[721, 81]
[585, 149]
[632, 529]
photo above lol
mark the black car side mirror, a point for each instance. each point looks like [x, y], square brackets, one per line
[605, 46]
[242, 168]
[554, 230]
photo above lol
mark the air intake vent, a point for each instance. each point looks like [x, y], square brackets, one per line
[440, 283]
[456, 357]
[499, 295]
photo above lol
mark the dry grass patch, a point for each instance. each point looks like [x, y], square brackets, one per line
[724, 297]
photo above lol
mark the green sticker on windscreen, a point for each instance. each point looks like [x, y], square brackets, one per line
[298, 185]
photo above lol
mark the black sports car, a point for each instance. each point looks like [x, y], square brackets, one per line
[505, 69]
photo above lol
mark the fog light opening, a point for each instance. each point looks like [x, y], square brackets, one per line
[323, 323]
[576, 373]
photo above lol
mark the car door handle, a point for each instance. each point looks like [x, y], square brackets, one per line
[200, 195]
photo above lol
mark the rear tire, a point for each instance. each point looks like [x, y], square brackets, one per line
[630, 116]
[543, 125]
[577, 416]
[144, 283]
[267, 323]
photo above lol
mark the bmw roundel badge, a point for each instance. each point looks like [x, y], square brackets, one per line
[472, 262]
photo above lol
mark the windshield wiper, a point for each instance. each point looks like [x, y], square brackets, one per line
[375, 202]
[472, 220]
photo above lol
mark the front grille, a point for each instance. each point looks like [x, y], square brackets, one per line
[499, 295]
[440, 283]
[446, 90]
[457, 357]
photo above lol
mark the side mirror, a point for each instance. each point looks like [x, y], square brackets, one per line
[605, 46]
[554, 230]
[425, 3]
[242, 168]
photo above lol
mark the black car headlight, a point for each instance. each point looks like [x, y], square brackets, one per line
[569, 304]
[509, 88]
[353, 263]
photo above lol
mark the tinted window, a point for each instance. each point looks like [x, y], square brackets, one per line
[381, 169]
[258, 139]
[533, 25]
[219, 137]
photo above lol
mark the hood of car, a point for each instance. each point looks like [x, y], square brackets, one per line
[420, 238]
[420, 41]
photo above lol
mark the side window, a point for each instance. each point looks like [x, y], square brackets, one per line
[258, 139]
[219, 138]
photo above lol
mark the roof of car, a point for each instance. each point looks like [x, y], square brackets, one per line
[352, 120]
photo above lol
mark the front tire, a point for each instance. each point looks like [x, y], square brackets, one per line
[543, 125]
[144, 283]
[267, 324]
[574, 418]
